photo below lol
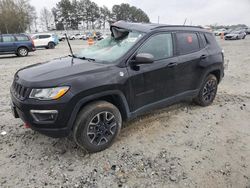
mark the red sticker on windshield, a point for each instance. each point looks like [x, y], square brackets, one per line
[189, 39]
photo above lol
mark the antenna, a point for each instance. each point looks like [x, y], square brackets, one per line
[71, 51]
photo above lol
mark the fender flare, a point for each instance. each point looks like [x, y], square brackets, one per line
[86, 99]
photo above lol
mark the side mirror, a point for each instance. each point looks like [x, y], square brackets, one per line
[144, 58]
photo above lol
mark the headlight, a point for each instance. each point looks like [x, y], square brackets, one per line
[48, 93]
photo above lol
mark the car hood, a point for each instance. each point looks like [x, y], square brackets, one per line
[58, 71]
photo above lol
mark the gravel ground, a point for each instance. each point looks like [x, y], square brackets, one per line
[180, 146]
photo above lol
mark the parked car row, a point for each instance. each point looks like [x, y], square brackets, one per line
[79, 36]
[232, 34]
[235, 35]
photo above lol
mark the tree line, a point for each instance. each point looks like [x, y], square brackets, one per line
[72, 14]
[16, 16]
[19, 16]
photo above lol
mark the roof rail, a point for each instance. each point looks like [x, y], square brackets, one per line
[190, 26]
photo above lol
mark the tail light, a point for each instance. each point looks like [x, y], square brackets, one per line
[33, 44]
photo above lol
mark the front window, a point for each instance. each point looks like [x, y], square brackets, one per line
[160, 46]
[110, 49]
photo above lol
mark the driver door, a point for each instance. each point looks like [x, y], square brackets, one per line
[152, 83]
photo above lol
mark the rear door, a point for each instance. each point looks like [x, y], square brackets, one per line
[191, 53]
[44, 39]
[8, 44]
[41, 40]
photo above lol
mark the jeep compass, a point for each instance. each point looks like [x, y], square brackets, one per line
[138, 68]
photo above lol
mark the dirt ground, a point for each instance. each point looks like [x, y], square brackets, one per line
[180, 146]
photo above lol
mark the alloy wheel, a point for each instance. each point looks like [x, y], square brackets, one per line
[209, 90]
[101, 128]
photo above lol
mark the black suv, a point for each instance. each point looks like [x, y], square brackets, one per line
[140, 67]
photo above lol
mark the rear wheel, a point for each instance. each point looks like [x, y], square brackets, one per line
[51, 45]
[22, 52]
[208, 91]
[97, 126]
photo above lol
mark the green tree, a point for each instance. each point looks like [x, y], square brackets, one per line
[129, 13]
[64, 9]
[46, 18]
[105, 15]
[16, 16]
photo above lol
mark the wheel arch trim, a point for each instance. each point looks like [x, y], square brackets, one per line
[96, 96]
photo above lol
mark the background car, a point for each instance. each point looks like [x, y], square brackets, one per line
[219, 32]
[235, 35]
[227, 31]
[61, 37]
[248, 31]
[45, 40]
[19, 44]
[77, 36]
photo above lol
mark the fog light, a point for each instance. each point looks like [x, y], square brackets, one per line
[44, 115]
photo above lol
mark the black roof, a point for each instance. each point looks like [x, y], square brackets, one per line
[148, 27]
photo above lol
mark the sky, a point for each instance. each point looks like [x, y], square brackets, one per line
[197, 12]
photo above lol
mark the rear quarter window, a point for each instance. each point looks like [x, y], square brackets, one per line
[22, 38]
[203, 40]
[211, 40]
[187, 43]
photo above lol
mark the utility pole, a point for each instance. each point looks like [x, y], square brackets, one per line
[185, 21]
[158, 19]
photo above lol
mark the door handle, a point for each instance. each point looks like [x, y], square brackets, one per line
[172, 64]
[203, 56]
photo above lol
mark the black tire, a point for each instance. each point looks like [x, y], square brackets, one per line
[208, 91]
[97, 125]
[51, 45]
[22, 52]
[244, 37]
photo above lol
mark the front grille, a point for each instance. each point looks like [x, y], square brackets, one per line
[20, 91]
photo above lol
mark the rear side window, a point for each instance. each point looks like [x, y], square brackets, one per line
[187, 43]
[160, 46]
[22, 38]
[8, 39]
[44, 36]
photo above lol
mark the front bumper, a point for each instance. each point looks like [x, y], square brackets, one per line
[56, 127]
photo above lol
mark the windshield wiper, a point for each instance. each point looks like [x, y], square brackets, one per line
[83, 58]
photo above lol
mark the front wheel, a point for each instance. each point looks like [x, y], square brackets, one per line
[97, 126]
[208, 91]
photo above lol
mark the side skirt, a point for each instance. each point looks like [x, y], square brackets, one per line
[163, 103]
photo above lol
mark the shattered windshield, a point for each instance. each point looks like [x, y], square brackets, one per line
[110, 49]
